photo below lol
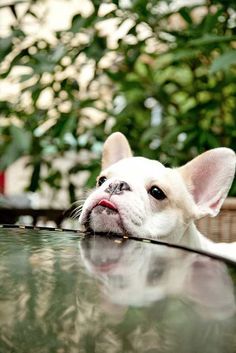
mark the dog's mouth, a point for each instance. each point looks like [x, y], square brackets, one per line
[103, 217]
[105, 207]
[107, 204]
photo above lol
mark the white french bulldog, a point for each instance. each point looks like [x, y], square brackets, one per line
[141, 197]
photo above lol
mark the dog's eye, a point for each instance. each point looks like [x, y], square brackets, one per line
[101, 180]
[157, 193]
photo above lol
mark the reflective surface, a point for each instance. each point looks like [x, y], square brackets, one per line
[62, 293]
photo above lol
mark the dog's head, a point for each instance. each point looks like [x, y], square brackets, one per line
[139, 196]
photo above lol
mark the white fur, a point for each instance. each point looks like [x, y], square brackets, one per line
[193, 191]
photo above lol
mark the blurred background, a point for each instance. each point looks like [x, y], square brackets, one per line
[73, 71]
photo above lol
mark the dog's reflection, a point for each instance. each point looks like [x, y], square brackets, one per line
[138, 274]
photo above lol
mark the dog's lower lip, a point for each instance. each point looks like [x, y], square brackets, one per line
[107, 203]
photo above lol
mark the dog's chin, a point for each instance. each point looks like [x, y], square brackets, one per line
[105, 220]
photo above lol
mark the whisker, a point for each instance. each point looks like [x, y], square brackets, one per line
[76, 212]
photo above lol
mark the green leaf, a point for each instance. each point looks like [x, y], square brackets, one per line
[25, 77]
[5, 46]
[213, 141]
[58, 53]
[92, 178]
[18, 144]
[21, 139]
[54, 178]
[211, 39]
[210, 20]
[36, 91]
[184, 12]
[223, 62]
[34, 183]
[178, 55]
[172, 135]
[79, 22]
[72, 192]
[66, 123]
[9, 156]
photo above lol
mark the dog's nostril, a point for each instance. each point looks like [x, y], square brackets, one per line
[124, 186]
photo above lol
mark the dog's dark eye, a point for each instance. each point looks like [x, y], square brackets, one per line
[157, 193]
[101, 180]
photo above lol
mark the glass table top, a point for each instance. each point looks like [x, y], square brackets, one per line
[63, 292]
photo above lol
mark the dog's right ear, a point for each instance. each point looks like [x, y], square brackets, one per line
[116, 147]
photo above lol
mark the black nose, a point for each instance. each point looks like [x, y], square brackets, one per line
[117, 187]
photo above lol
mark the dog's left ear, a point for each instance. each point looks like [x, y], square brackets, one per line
[116, 147]
[208, 178]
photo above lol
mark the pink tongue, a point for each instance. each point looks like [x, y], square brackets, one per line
[108, 204]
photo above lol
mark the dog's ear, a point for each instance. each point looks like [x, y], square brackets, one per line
[208, 178]
[116, 147]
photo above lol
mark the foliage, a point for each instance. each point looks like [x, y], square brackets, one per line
[165, 77]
